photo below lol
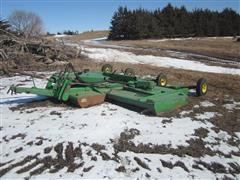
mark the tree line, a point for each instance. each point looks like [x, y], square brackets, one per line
[173, 22]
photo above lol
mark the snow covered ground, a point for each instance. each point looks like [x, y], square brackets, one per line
[96, 40]
[108, 141]
[59, 35]
[113, 55]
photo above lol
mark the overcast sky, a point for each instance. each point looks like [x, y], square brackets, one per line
[84, 15]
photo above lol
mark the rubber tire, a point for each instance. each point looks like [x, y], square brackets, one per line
[160, 77]
[107, 68]
[200, 83]
[129, 72]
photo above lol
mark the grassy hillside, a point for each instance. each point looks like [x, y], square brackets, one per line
[216, 47]
[88, 35]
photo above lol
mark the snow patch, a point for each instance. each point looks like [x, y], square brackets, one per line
[184, 39]
[232, 106]
[171, 39]
[113, 55]
[207, 104]
[59, 35]
[205, 115]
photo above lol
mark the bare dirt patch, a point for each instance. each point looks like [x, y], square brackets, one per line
[201, 132]
[48, 162]
[170, 165]
[141, 163]
[21, 135]
[121, 169]
[197, 148]
[214, 167]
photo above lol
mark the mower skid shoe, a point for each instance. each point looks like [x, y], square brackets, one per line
[88, 101]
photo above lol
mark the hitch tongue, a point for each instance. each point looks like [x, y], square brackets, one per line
[12, 89]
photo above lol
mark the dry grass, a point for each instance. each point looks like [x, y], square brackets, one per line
[88, 35]
[216, 47]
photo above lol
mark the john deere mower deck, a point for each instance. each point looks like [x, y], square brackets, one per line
[89, 88]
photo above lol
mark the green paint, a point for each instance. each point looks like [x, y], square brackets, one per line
[139, 92]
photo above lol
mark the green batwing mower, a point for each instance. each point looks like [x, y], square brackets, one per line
[88, 88]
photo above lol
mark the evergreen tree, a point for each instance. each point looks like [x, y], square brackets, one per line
[120, 24]
[173, 22]
[229, 23]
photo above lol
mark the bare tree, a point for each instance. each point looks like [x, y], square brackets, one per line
[26, 23]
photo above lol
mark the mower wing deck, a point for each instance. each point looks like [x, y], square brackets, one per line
[155, 101]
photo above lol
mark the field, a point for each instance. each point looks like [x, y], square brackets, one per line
[219, 47]
[42, 138]
[88, 35]
[224, 47]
